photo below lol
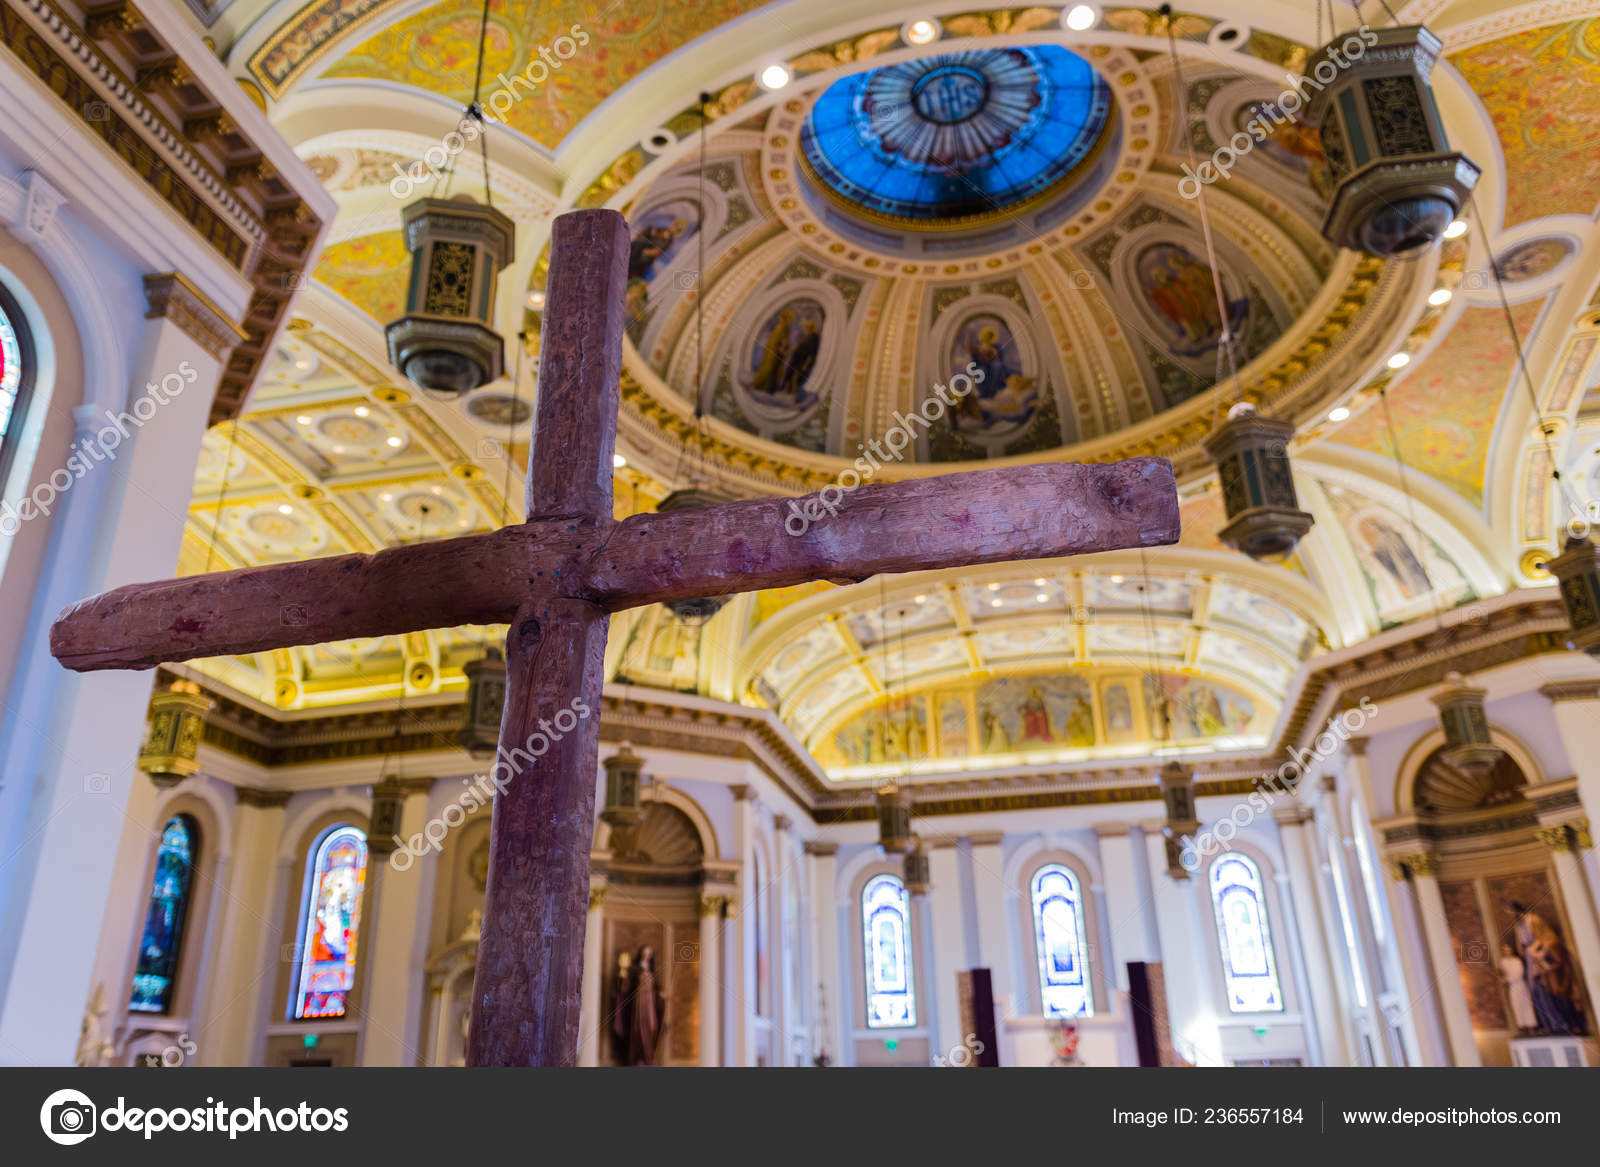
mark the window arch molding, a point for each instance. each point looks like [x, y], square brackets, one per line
[1274, 918]
[1025, 867]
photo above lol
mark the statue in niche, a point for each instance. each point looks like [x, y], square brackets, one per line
[640, 1007]
[1552, 980]
[1515, 974]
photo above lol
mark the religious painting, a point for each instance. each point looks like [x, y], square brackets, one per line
[1179, 287]
[1118, 709]
[335, 875]
[1004, 397]
[1020, 714]
[1534, 258]
[953, 728]
[784, 355]
[1292, 144]
[1199, 708]
[658, 235]
[1529, 931]
[1398, 567]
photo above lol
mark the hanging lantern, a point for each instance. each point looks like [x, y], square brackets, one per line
[914, 869]
[1577, 569]
[694, 610]
[388, 798]
[177, 723]
[1467, 744]
[486, 699]
[894, 820]
[1177, 793]
[1398, 183]
[623, 794]
[445, 342]
[1251, 453]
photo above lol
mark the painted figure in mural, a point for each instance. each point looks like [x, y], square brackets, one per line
[774, 354]
[639, 1011]
[988, 352]
[651, 243]
[1552, 980]
[1515, 974]
[1181, 290]
[797, 369]
[994, 737]
[1036, 718]
[1391, 552]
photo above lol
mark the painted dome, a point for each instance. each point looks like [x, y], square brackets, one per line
[956, 137]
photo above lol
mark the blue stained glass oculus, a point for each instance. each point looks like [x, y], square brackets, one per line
[1062, 944]
[956, 136]
[10, 370]
[1249, 968]
[163, 927]
[886, 938]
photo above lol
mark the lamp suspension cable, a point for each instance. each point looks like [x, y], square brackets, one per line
[475, 108]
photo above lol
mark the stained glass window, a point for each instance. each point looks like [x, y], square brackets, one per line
[335, 875]
[1062, 943]
[886, 936]
[10, 369]
[1249, 969]
[163, 924]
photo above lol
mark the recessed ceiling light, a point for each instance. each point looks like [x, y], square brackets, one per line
[338, 449]
[1399, 360]
[921, 32]
[1338, 414]
[285, 509]
[1038, 583]
[995, 603]
[618, 461]
[919, 599]
[1042, 598]
[302, 364]
[395, 440]
[994, 587]
[1440, 296]
[774, 77]
[1456, 230]
[536, 299]
[1116, 579]
[362, 411]
[1081, 17]
[435, 490]
[303, 419]
[385, 497]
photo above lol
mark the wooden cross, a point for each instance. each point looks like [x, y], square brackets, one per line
[557, 578]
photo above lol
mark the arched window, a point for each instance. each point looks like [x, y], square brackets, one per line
[162, 940]
[1061, 943]
[330, 917]
[1249, 969]
[886, 938]
[16, 378]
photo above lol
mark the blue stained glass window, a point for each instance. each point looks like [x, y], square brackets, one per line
[1249, 969]
[163, 925]
[329, 924]
[886, 937]
[956, 135]
[10, 370]
[1062, 943]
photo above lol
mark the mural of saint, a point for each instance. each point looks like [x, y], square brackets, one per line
[1006, 397]
[1390, 551]
[1036, 718]
[658, 235]
[1119, 713]
[1294, 144]
[1180, 289]
[1034, 713]
[953, 729]
[785, 353]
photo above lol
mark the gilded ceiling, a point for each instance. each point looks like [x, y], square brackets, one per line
[1086, 300]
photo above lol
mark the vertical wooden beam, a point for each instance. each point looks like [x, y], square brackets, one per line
[580, 366]
[528, 987]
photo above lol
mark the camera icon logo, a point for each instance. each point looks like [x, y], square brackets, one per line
[68, 1117]
[97, 784]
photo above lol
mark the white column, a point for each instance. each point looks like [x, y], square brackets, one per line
[784, 962]
[947, 955]
[1563, 844]
[742, 946]
[711, 908]
[68, 741]
[833, 1024]
[995, 904]
[241, 916]
[1324, 1005]
[395, 941]
[1128, 916]
[591, 1024]
[1422, 871]
[1575, 705]
[1184, 962]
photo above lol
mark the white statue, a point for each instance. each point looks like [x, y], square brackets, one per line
[1516, 978]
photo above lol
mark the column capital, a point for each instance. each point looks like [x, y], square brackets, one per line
[1358, 744]
[172, 296]
[824, 847]
[406, 787]
[258, 796]
[1559, 691]
[743, 793]
[597, 896]
[712, 905]
[781, 822]
[1413, 865]
[1112, 830]
[1560, 839]
[1293, 815]
[985, 838]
